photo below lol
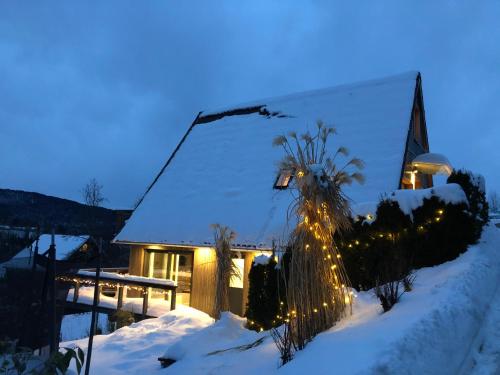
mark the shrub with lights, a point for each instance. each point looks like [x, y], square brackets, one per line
[380, 252]
[317, 286]
[390, 247]
[441, 232]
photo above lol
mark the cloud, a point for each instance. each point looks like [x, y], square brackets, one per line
[107, 89]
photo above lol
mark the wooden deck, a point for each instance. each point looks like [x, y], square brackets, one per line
[77, 280]
[77, 308]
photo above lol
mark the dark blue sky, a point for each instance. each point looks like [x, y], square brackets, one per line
[106, 90]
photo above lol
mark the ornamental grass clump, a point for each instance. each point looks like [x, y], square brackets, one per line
[318, 293]
[225, 268]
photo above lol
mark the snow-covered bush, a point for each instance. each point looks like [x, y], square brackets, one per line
[377, 253]
[388, 247]
[474, 187]
[440, 232]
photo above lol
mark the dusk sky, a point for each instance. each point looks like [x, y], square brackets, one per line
[106, 89]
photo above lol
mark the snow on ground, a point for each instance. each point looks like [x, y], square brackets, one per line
[431, 331]
[77, 326]
[134, 349]
[485, 355]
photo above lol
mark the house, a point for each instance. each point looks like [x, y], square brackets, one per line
[67, 247]
[225, 170]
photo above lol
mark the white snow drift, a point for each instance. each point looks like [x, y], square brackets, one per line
[431, 331]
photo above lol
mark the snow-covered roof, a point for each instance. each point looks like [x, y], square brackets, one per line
[224, 170]
[65, 245]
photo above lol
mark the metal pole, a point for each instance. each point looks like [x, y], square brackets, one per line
[32, 330]
[94, 308]
[52, 290]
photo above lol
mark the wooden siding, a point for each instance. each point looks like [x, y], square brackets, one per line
[248, 264]
[203, 276]
[203, 282]
[135, 266]
[136, 259]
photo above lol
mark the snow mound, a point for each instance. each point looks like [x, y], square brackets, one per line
[411, 199]
[229, 331]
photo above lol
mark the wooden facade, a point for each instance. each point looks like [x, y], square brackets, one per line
[417, 142]
[202, 291]
[203, 282]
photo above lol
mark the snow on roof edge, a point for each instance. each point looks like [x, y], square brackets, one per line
[235, 247]
[411, 74]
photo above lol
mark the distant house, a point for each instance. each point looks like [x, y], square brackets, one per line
[66, 248]
[225, 170]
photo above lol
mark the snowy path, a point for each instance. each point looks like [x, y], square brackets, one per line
[484, 358]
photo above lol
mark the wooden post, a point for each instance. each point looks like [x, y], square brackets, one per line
[99, 291]
[119, 303]
[173, 300]
[51, 265]
[145, 296]
[76, 291]
[94, 309]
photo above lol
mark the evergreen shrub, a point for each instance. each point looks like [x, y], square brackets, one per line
[473, 187]
[379, 252]
[264, 296]
[394, 244]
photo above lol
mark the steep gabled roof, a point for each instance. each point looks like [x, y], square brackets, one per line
[225, 167]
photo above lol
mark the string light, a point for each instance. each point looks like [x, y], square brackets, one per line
[391, 235]
[108, 284]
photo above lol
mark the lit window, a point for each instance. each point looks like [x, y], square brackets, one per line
[236, 280]
[283, 180]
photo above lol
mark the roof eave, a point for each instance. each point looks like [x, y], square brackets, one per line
[191, 245]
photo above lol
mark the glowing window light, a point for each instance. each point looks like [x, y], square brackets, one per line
[283, 180]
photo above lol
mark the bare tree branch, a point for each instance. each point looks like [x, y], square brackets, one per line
[92, 193]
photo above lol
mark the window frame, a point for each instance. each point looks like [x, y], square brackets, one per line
[281, 183]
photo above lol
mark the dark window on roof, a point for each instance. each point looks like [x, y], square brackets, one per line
[283, 180]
